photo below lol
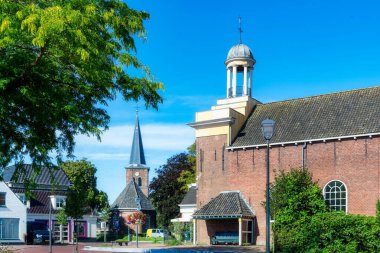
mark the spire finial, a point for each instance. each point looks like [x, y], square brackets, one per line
[240, 30]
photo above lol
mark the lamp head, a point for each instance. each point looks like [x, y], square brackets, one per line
[267, 128]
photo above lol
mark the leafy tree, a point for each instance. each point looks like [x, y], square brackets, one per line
[61, 220]
[61, 217]
[83, 195]
[378, 211]
[61, 62]
[166, 191]
[303, 223]
[106, 214]
[294, 195]
[189, 176]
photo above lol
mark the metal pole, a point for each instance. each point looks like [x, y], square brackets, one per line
[267, 242]
[76, 248]
[137, 234]
[50, 225]
[104, 232]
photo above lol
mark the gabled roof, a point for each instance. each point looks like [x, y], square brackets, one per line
[334, 115]
[190, 197]
[127, 198]
[226, 205]
[47, 176]
[137, 152]
[40, 200]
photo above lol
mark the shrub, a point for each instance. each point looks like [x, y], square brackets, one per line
[303, 223]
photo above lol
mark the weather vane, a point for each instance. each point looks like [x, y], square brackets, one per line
[240, 30]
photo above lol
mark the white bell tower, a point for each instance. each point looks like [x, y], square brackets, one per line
[239, 64]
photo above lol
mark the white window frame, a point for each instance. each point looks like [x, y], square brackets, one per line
[60, 202]
[346, 191]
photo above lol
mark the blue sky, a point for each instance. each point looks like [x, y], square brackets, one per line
[302, 48]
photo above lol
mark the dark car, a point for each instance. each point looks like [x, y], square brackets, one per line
[41, 237]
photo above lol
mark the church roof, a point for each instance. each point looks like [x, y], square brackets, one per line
[127, 198]
[229, 204]
[137, 158]
[334, 115]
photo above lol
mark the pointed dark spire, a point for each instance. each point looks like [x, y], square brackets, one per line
[137, 152]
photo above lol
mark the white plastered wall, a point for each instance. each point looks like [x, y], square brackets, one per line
[14, 208]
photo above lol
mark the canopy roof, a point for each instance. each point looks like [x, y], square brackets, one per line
[227, 205]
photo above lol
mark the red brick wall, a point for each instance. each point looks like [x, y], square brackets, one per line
[354, 162]
[143, 174]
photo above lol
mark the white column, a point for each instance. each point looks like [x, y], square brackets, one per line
[194, 232]
[250, 81]
[228, 82]
[240, 233]
[234, 68]
[245, 89]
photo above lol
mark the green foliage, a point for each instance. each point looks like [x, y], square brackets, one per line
[378, 211]
[179, 228]
[303, 223]
[166, 192]
[294, 196]
[110, 236]
[173, 242]
[330, 232]
[83, 196]
[189, 176]
[105, 214]
[61, 63]
[61, 217]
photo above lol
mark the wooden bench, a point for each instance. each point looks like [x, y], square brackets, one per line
[119, 242]
[225, 238]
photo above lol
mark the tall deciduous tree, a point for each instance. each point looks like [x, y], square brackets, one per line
[83, 194]
[61, 62]
[189, 176]
[166, 191]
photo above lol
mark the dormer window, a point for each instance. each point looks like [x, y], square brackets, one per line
[57, 202]
[60, 203]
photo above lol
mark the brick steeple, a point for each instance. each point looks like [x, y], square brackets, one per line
[137, 169]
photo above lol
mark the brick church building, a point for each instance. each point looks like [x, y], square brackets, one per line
[335, 136]
[134, 196]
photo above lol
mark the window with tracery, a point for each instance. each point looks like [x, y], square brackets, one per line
[335, 194]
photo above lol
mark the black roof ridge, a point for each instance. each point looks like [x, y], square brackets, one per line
[319, 95]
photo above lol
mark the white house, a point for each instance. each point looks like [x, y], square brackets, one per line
[21, 216]
[12, 216]
[188, 205]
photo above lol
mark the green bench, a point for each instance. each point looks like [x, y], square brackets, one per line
[225, 238]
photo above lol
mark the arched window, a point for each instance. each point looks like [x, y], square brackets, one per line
[335, 194]
[139, 181]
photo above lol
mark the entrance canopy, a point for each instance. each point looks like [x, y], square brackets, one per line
[227, 205]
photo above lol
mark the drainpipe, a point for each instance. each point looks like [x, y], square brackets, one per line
[303, 156]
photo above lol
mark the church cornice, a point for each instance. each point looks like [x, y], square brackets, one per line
[309, 141]
[208, 123]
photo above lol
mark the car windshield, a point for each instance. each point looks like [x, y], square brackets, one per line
[42, 232]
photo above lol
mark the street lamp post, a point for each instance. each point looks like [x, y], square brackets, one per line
[267, 128]
[137, 200]
[50, 224]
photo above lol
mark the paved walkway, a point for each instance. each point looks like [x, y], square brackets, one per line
[143, 247]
